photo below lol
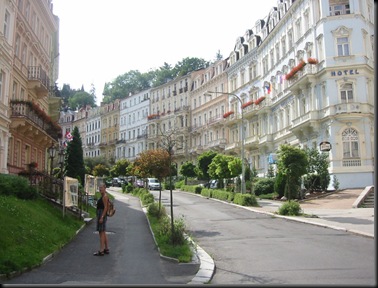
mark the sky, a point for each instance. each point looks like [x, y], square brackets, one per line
[102, 39]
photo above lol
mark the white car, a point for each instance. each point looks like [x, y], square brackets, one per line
[153, 184]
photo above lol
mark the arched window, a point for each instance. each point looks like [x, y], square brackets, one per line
[350, 143]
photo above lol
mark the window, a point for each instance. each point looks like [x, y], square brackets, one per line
[6, 25]
[346, 93]
[283, 45]
[339, 8]
[343, 46]
[350, 143]
[272, 58]
[277, 53]
[290, 38]
[1, 86]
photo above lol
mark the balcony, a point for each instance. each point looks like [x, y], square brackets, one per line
[215, 121]
[38, 81]
[306, 123]
[144, 135]
[219, 144]
[251, 142]
[354, 107]
[27, 118]
[302, 77]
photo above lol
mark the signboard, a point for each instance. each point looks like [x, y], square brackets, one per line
[90, 184]
[325, 146]
[71, 188]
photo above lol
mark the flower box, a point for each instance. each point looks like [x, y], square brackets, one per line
[225, 115]
[247, 104]
[295, 69]
[312, 61]
[259, 100]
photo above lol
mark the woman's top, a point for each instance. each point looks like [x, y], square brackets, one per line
[100, 204]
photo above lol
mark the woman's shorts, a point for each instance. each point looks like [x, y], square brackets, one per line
[101, 226]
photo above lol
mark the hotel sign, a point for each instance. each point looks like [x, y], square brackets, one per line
[344, 72]
[325, 146]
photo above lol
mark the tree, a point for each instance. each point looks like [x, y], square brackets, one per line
[224, 167]
[100, 170]
[318, 164]
[204, 161]
[74, 157]
[152, 163]
[189, 64]
[81, 99]
[120, 168]
[292, 163]
[91, 162]
[188, 170]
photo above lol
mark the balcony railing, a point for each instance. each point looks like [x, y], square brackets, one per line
[38, 80]
[27, 110]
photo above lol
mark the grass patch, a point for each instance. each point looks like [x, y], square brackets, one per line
[182, 251]
[31, 230]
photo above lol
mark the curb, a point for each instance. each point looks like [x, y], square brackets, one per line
[207, 267]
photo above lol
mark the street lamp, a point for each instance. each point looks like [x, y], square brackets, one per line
[208, 93]
[61, 161]
[52, 153]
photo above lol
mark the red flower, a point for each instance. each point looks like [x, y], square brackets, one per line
[259, 100]
[247, 104]
[312, 61]
[225, 115]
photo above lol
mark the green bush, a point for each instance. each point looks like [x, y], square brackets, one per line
[147, 198]
[206, 192]
[312, 182]
[245, 199]
[188, 188]
[18, 186]
[198, 189]
[220, 194]
[154, 211]
[279, 185]
[290, 208]
[168, 187]
[178, 230]
[231, 196]
[179, 184]
[263, 186]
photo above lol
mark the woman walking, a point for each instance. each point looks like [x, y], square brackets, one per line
[102, 208]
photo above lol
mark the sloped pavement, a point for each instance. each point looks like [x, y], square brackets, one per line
[133, 253]
[332, 211]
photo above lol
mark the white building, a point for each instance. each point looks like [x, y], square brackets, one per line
[325, 51]
[133, 125]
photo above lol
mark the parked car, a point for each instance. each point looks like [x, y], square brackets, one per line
[213, 184]
[153, 184]
[139, 183]
[118, 182]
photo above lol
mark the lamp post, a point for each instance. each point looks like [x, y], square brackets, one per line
[208, 93]
[61, 161]
[52, 153]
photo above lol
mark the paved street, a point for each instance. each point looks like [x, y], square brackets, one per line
[248, 245]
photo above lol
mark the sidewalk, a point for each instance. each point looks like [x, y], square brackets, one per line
[333, 211]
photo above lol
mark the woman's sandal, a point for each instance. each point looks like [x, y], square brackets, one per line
[106, 251]
[98, 253]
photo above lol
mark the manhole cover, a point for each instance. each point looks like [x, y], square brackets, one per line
[107, 232]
